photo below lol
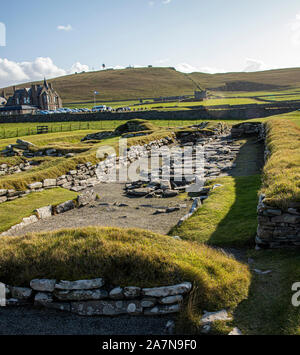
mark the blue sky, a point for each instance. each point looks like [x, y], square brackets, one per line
[58, 37]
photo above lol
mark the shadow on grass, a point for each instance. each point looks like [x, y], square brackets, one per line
[238, 227]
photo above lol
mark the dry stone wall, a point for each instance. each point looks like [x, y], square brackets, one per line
[84, 176]
[96, 298]
[276, 227]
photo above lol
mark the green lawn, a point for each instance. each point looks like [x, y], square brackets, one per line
[268, 310]
[13, 212]
[228, 218]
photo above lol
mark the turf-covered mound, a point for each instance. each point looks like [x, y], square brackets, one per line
[135, 125]
[281, 178]
[125, 257]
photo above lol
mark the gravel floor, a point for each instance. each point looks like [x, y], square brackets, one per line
[31, 321]
[104, 213]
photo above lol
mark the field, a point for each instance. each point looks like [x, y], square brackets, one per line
[147, 83]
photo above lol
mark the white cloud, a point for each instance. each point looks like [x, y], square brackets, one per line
[165, 2]
[294, 27]
[151, 3]
[65, 28]
[253, 65]
[188, 68]
[78, 68]
[15, 73]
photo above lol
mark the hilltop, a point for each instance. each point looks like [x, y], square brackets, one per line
[144, 83]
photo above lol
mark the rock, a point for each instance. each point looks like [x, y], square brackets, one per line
[80, 285]
[3, 192]
[170, 193]
[161, 310]
[176, 237]
[3, 199]
[131, 292]
[25, 143]
[29, 220]
[44, 212]
[214, 316]
[116, 294]
[141, 192]
[148, 302]
[86, 198]
[168, 290]
[81, 295]
[171, 299]
[44, 285]
[35, 185]
[165, 185]
[235, 331]
[20, 293]
[41, 298]
[49, 183]
[51, 152]
[70, 155]
[170, 327]
[64, 207]
[106, 308]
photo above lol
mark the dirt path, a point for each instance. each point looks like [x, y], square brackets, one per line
[133, 212]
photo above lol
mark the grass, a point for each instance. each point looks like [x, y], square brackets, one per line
[55, 167]
[133, 84]
[268, 309]
[281, 178]
[114, 254]
[228, 218]
[13, 212]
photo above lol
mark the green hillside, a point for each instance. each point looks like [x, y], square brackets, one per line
[155, 82]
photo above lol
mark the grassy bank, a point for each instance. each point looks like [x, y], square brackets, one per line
[114, 254]
[55, 167]
[228, 218]
[281, 178]
[13, 212]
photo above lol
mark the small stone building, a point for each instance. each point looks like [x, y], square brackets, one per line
[200, 95]
[43, 97]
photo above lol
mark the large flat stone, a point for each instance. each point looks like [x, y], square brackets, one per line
[20, 293]
[161, 310]
[106, 308]
[44, 285]
[49, 183]
[80, 284]
[167, 290]
[35, 185]
[44, 212]
[81, 295]
[66, 206]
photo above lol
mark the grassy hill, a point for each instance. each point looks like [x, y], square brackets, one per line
[154, 82]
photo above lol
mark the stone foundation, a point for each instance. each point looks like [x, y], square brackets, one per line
[94, 298]
[276, 227]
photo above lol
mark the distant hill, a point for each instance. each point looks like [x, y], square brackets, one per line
[156, 82]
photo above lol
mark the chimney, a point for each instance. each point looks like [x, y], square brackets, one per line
[50, 85]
